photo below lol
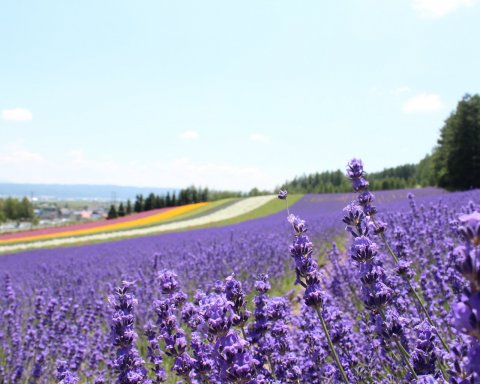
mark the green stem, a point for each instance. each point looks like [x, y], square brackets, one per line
[406, 358]
[243, 333]
[388, 247]
[445, 346]
[332, 348]
[442, 368]
[272, 371]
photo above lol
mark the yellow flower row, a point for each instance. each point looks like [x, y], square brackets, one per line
[134, 223]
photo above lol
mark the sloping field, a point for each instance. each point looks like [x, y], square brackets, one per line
[133, 221]
[66, 289]
[155, 223]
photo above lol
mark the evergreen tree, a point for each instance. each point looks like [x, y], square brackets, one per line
[138, 206]
[112, 213]
[204, 195]
[121, 210]
[182, 197]
[128, 210]
[457, 157]
[149, 202]
[159, 202]
[194, 195]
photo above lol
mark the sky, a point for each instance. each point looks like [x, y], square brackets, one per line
[229, 95]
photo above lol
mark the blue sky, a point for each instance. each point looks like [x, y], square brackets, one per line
[226, 94]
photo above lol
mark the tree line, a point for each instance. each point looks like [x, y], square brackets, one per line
[190, 195]
[403, 176]
[454, 163]
[13, 209]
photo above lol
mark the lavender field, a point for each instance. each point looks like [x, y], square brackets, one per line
[396, 300]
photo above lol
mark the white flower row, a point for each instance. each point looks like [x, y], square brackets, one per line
[239, 208]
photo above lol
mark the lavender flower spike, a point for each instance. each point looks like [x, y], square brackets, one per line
[128, 362]
[282, 194]
[470, 227]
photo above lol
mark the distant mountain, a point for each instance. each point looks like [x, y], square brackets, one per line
[77, 191]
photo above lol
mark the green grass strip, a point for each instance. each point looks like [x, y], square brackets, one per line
[271, 207]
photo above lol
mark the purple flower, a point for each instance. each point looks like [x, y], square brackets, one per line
[473, 360]
[183, 365]
[424, 356]
[467, 316]
[261, 284]
[282, 194]
[470, 227]
[392, 327]
[355, 169]
[128, 362]
[298, 224]
[277, 308]
[234, 360]
[168, 281]
[314, 295]
[363, 250]
[468, 264]
[202, 353]
[218, 313]
[354, 217]
[301, 247]
[377, 296]
[365, 198]
[236, 295]
[404, 269]
[63, 375]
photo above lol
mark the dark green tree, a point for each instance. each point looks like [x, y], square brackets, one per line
[204, 194]
[149, 202]
[138, 205]
[16, 210]
[10, 208]
[112, 213]
[457, 157]
[128, 210]
[160, 201]
[121, 210]
[26, 209]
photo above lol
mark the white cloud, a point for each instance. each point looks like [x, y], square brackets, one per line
[259, 138]
[400, 90]
[17, 114]
[439, 8]
[423, 102]
[190, 135]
